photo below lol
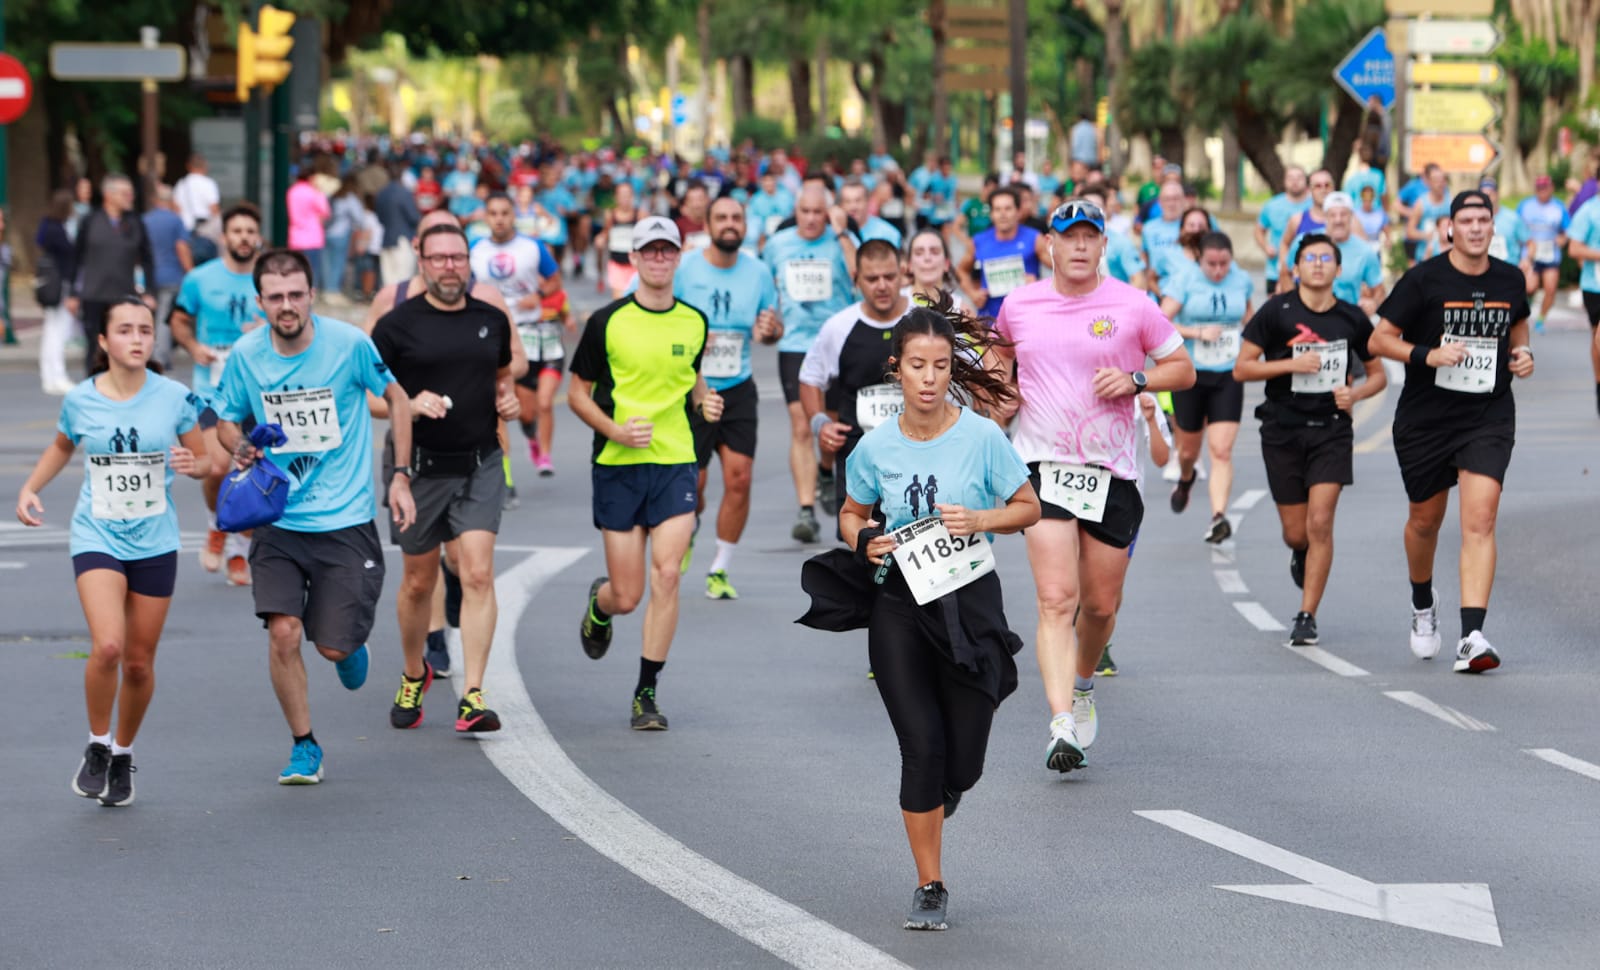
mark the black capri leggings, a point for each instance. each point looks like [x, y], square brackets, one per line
[942, 721]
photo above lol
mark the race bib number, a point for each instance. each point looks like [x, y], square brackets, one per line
[935, 563]
[541, 343]
[124, 487]
[1475, 374]
[1499, 249]
[307, 417]
[877, 404]
[1544, 251]
[724, 355]
[893, 210]
[808, 280]
[944, 212]
[1080, 489]
[1004, 274]
[218, 362]
[1220, 352]
[547, 227]
[1335, 360]
[696, 242]
[620, 240]
[773, 222]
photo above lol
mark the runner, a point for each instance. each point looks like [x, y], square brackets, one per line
[124, 530]
[1510, 241]
[451, 353]
[1080, 347]
[318, 569]
[1161, 234]
[1360, 279]
[928, 266]
[1276, 215]
[1300, 343]
[853, 200]
[1430, 204]
[1546, 219]
[1171, 263]
[691, 218]
[768, 208]
[735, 292]
[1209, 307]
[808, 265]
[1007, 255]
[940, 694]
[1584, 246]
[216, 304]
[1460, 324]
[1310, 219]
[616, 240]
[642, 354]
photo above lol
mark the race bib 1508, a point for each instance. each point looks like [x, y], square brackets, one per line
[808, 280]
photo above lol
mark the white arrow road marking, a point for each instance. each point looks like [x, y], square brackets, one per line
[1462, 910]
[1257, 615]
[1448, 715]
[1566, 761]
[530, 758]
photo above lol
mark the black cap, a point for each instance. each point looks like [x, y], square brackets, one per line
[1470, 199]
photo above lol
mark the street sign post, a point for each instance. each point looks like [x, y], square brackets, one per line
[1368, 70]
[1449, 112]
[118, 62]
[1455, 72]
[1456, 154]
[1459, 37]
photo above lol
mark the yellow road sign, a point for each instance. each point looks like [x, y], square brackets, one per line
[1455, 72]
[1448, 111]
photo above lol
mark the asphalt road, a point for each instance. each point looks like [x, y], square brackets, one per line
[763, 828]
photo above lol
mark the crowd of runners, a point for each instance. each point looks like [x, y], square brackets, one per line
[948, 374]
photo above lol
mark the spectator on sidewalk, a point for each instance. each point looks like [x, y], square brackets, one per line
[171, 246]
[347, 216]
[397, 210]
[112, 247]
[308, 213]
[198, 198]
[56, 268]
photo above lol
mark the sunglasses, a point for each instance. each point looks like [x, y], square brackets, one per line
[1068, 214]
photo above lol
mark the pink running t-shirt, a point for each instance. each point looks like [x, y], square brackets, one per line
[1060, 340]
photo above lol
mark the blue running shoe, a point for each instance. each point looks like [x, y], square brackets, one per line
[305, 765]
[353, 668]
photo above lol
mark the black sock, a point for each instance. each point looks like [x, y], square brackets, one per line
[308, 736]
[531, 430]
[649, 670]
[824, 472]
[807, 510]
[436, 640]
[1422, 594]
[1472, 619]
[452, 595]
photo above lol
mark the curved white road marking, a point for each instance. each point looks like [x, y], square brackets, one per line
[1448, 715]
[1566, 761]
[529, 757]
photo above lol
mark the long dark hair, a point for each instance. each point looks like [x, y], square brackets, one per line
[971, 338]
[100, 361]
[1190, 241]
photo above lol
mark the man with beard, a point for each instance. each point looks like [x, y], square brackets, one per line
[452, 354]
[319, 568]
[216, 304]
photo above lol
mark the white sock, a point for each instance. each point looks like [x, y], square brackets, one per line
[211, 519]
[724, 555]
[237, 544]
[117, 749]
[104, 739]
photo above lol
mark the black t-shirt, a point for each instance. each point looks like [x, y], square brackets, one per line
[454, 353]
[1285, 322]
[1434, 299]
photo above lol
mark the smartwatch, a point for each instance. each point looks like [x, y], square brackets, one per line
[403, 470]
[1139, 381]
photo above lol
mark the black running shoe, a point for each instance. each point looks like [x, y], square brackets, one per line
[452, 597]
[91, 777]
[827, 495]
[646, 715]
[407, 709]
[1297, 567]
[1304, 633]
[119, 782]
[1180, 494]
[437, 654]
[1107, 667]
[1221, 529]
[595, 636]
[929, 905]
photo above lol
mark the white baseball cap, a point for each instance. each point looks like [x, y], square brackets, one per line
[1338, 200]
[655, 229]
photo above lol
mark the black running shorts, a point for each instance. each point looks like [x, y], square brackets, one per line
[1118, 527]
[1431, 459]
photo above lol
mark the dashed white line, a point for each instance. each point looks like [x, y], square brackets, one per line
[1448, 715]
[1221, 556]
[1249, 499]
[1230, 581]
[13, 565]
[1257, 615]
[1327, 661]
[1566, 761]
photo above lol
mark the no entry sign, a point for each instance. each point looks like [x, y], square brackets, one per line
[16, 89]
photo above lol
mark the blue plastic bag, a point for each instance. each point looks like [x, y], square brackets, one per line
[256, 495]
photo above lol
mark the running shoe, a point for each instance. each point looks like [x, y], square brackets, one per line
[437, 654]
[1107, 667]
[305, 763]
[1425, 640]
[407, 709]
[1297, 567]
[353, 668]
[805, 527]
[510, 501]
[718, 587]
[1085, 722]
[929, 905]
[472, 716]
[952, 799]
[1063, 753]
[91, 778]
[1304, 631]
[238, 571]
[646, 715]
[534, 451]
[119, 782]
[593, 634]
[827, 494]
[211, 552]
[1221, 529]
[1474, 655]
[1180, 494]
[1538, 324]
[546, 467]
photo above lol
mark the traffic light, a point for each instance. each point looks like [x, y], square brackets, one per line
[264, 52]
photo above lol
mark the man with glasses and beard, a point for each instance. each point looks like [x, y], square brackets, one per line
[452, 354]
[319, 568]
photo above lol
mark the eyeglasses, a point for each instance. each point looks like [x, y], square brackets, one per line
[1068, 214]
[658, 252]
[447, 259]
[1319, 258]
[292, 296]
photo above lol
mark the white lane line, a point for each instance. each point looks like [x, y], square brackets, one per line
[1249, 499]
[1257, 615]
[529, 757]
[1221, 556]
[13, 565]
[1327, 661]
[1230, 581]
[1566, 761]
[1448, 715]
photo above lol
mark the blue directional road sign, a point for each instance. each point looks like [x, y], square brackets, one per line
[1369, 70]
[680, 109]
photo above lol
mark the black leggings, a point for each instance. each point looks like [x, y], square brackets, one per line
[942, 721]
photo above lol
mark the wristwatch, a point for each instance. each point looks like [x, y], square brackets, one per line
[1139, 381]
[404, 470]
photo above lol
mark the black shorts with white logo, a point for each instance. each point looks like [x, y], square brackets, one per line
[1431, 459]
[736, 430]
[1124, 512]
[1300, 457]
[330, 580]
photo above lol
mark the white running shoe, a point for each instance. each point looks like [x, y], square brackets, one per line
[1425, 631]
[1474, 655]
[1084, 721]
[1063, 753]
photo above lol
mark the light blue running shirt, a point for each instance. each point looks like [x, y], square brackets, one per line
[1205, 302]
[1275, 216]
[1358, 266]
[813, 284]
[221, 302]
[731, 299]
[972, 465]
